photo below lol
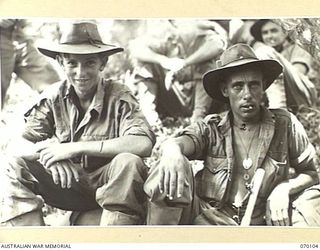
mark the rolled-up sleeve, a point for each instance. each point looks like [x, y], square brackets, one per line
[299, 55]
[39, 121]
[132, 121]
[201, 135]
[300, 148]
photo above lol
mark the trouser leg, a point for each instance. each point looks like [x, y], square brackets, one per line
[306, 208]
[28, 185]
[161, 210]
[122, 197]
[17, 197]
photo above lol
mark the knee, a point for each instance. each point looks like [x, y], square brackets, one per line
[128, 162]
[13, 164]
[151, 188]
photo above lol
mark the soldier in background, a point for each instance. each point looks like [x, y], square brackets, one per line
[20, 56]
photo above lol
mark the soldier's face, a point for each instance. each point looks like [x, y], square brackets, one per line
[272, 34]
[83, 72]
[244, 88]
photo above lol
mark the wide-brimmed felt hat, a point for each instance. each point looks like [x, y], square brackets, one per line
[79, 38]
[255, 29]
[237, 57]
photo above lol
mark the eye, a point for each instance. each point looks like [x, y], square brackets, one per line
[237, 86]
[255, 85]
[71, 63]
[91, 63]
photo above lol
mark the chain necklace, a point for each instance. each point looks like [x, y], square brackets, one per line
[247, 161]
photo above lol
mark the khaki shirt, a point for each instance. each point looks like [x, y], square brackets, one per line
[283, 143]
[114, 112]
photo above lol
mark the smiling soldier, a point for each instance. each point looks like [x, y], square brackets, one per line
[83, 141]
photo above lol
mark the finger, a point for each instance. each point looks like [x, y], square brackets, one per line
[268, 214]
[44, 157]
[75, 173]
[166, 183]
[281, 222]
[285, 216]
[62, 175]
[50, 161]
[274, 218]
[173, 185]
[161, 180]
[69, 175]
[181, 182]
[275, 222]
[55, 174]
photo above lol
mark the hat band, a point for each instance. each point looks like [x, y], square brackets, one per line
[89, 40]
[236, 62]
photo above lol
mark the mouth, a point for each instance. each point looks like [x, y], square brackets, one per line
[247, 107]
[81, 81]
[272, 41]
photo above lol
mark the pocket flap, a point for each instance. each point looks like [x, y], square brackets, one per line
[215, 165]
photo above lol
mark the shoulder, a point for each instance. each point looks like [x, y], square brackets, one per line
[284, 116]
[49, 95]
[296, 54]
[54, 90]
[212, 119]
[280, 113]
[118, 91]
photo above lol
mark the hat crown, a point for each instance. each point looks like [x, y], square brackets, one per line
[236, 53]
[81, 33]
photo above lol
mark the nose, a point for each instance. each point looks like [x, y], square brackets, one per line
[80, 70]
[246, 92]
[268, 35]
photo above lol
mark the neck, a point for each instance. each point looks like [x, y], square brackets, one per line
[279, 48]
[87, 97]
[245, 124]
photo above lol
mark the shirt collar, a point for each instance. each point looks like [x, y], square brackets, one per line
[225, 124]
[97, 101]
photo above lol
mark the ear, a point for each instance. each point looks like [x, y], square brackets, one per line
[224, 89]
[104, 62]
[60, 60]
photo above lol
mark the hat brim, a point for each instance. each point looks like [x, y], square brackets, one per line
[54, 49]
[255, 29]
[271, 69]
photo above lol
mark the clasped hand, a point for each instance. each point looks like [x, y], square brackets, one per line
[51, 152]
[56, 157]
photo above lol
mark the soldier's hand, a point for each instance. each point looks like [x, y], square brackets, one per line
[64, 172]
[277, 210]
[172, 173]
[54, 151]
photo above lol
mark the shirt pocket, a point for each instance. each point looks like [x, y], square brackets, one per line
[212, 180]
